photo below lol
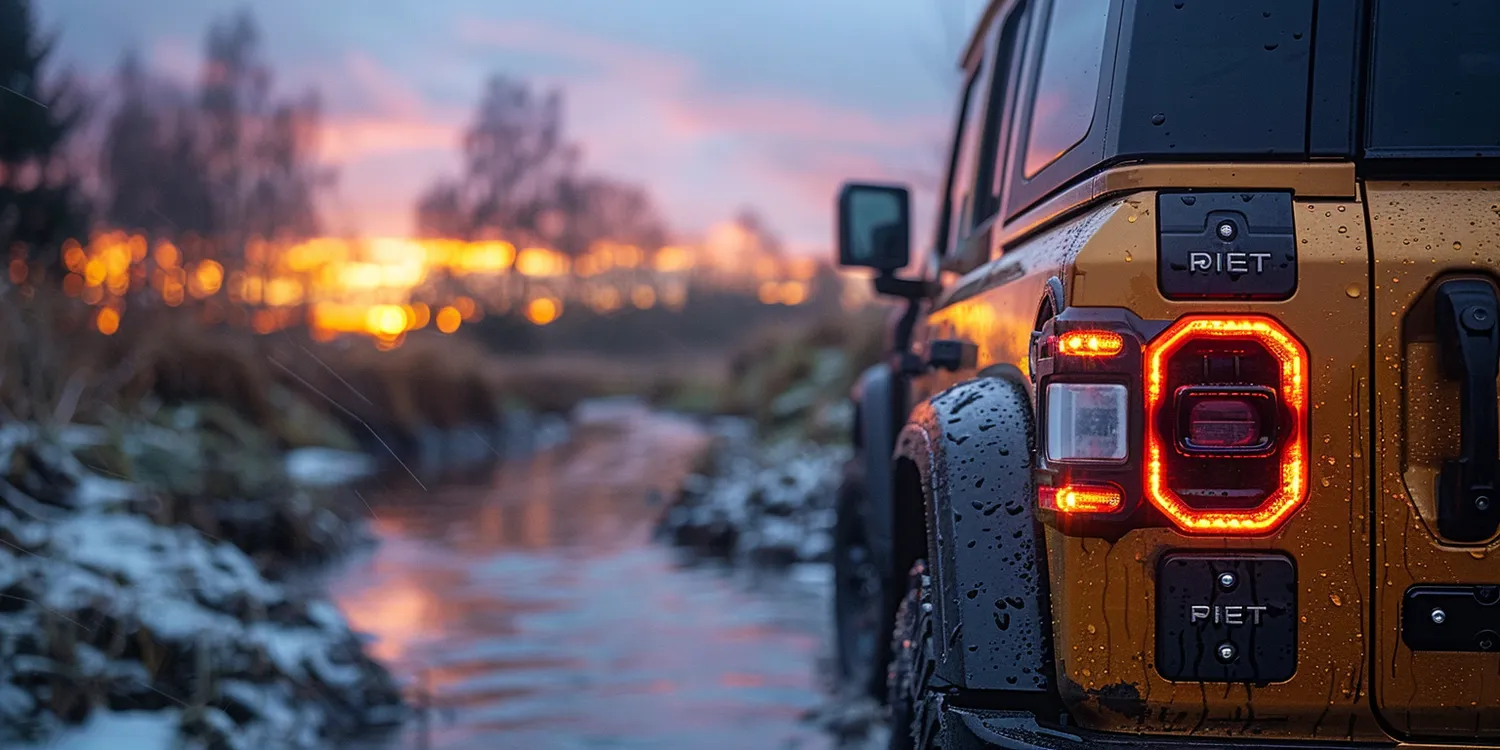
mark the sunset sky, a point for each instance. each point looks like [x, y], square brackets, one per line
[713, 104]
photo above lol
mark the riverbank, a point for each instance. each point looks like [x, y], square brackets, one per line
[146, 596]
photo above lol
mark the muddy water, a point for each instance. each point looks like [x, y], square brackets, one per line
[536, 612]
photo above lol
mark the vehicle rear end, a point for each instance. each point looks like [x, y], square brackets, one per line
[1268, 418]
[1432, 192]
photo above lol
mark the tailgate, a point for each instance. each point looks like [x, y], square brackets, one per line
[1436, 559]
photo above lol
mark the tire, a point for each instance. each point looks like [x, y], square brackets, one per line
[912, 698]
[860, 615]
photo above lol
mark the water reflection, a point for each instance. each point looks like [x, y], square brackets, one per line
[538, 614]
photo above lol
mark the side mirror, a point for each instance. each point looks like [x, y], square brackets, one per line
[874, 226]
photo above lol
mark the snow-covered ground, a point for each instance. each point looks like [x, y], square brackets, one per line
[116, 631]
[762, 503]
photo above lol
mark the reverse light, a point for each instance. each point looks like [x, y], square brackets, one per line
[1226, 440]
[1090, 344]
[1087, 422]
[1082, 498]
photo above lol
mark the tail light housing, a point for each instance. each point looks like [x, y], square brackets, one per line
[1199, 423]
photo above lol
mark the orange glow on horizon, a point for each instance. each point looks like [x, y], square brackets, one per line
[337, 286]
[107, 321]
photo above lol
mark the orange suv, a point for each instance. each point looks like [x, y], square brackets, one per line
[1189, 435]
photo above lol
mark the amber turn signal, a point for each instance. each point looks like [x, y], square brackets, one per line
[1090, 344]
[1082, 498]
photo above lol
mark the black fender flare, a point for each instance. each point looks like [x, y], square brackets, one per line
[972, 447]
[878, 396]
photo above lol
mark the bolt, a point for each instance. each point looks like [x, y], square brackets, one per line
[1478, 319]
[1227, 652]
[1226, 230]
[1227, 580]
[1438, 616]
[1482, 502]
[926, 606]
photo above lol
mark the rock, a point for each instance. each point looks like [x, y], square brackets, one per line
[766, 504]
[111, 621]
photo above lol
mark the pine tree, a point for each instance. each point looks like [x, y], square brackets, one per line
[40, 200]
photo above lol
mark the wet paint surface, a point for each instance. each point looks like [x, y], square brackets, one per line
[537, 612]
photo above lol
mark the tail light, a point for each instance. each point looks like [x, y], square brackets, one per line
[1226, 448]
[1200, 423]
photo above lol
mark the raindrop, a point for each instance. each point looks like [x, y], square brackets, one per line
[1297, 35]
[1158, 119]
[1341, 209]
[1352, 291]
[1458, 245]
[1271, 46]
[1343, 230]
[1128, 256]
[1177, 5]
[1337, 602]
[1326, 483]
[1477, 554]
[1188, 200]
[1131, 218]
[1092, 630]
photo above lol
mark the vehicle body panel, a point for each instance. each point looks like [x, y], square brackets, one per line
[1421, 231]
[1104, 636]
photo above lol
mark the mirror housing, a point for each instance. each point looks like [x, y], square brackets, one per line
[874, 226]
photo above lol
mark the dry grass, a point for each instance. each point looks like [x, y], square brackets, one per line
[55, 368]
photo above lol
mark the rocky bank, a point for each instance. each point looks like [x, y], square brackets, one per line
[140, 591]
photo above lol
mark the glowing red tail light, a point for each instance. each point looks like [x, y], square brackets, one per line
[1199, 423]
[1226, 411]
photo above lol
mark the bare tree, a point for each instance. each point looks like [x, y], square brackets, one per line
[521, 181]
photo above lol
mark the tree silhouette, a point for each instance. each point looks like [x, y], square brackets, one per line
[151, 161]
[521, 182]
[40, 199]
[230, 161]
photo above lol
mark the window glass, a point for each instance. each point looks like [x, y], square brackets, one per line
[1431, 60]
[995, 137]
[1068, 83]
[961, 176]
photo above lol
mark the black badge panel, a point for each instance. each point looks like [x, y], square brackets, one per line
[1451, 617]
[1226, 618]
[1226, 246]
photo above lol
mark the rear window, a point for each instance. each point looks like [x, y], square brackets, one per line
[1068, 84]
[1433, 63]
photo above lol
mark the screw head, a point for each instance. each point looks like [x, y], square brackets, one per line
[1482, 502]
[1226, 230]
[1477, 319]
[926, 606]
[1439, 616]
[1228, 580]
[1226, 652]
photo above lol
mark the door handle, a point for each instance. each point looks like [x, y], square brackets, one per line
[1468, 329]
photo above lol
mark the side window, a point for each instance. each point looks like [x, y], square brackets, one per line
[1068, 84]
[958, 206]
[996, 138]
